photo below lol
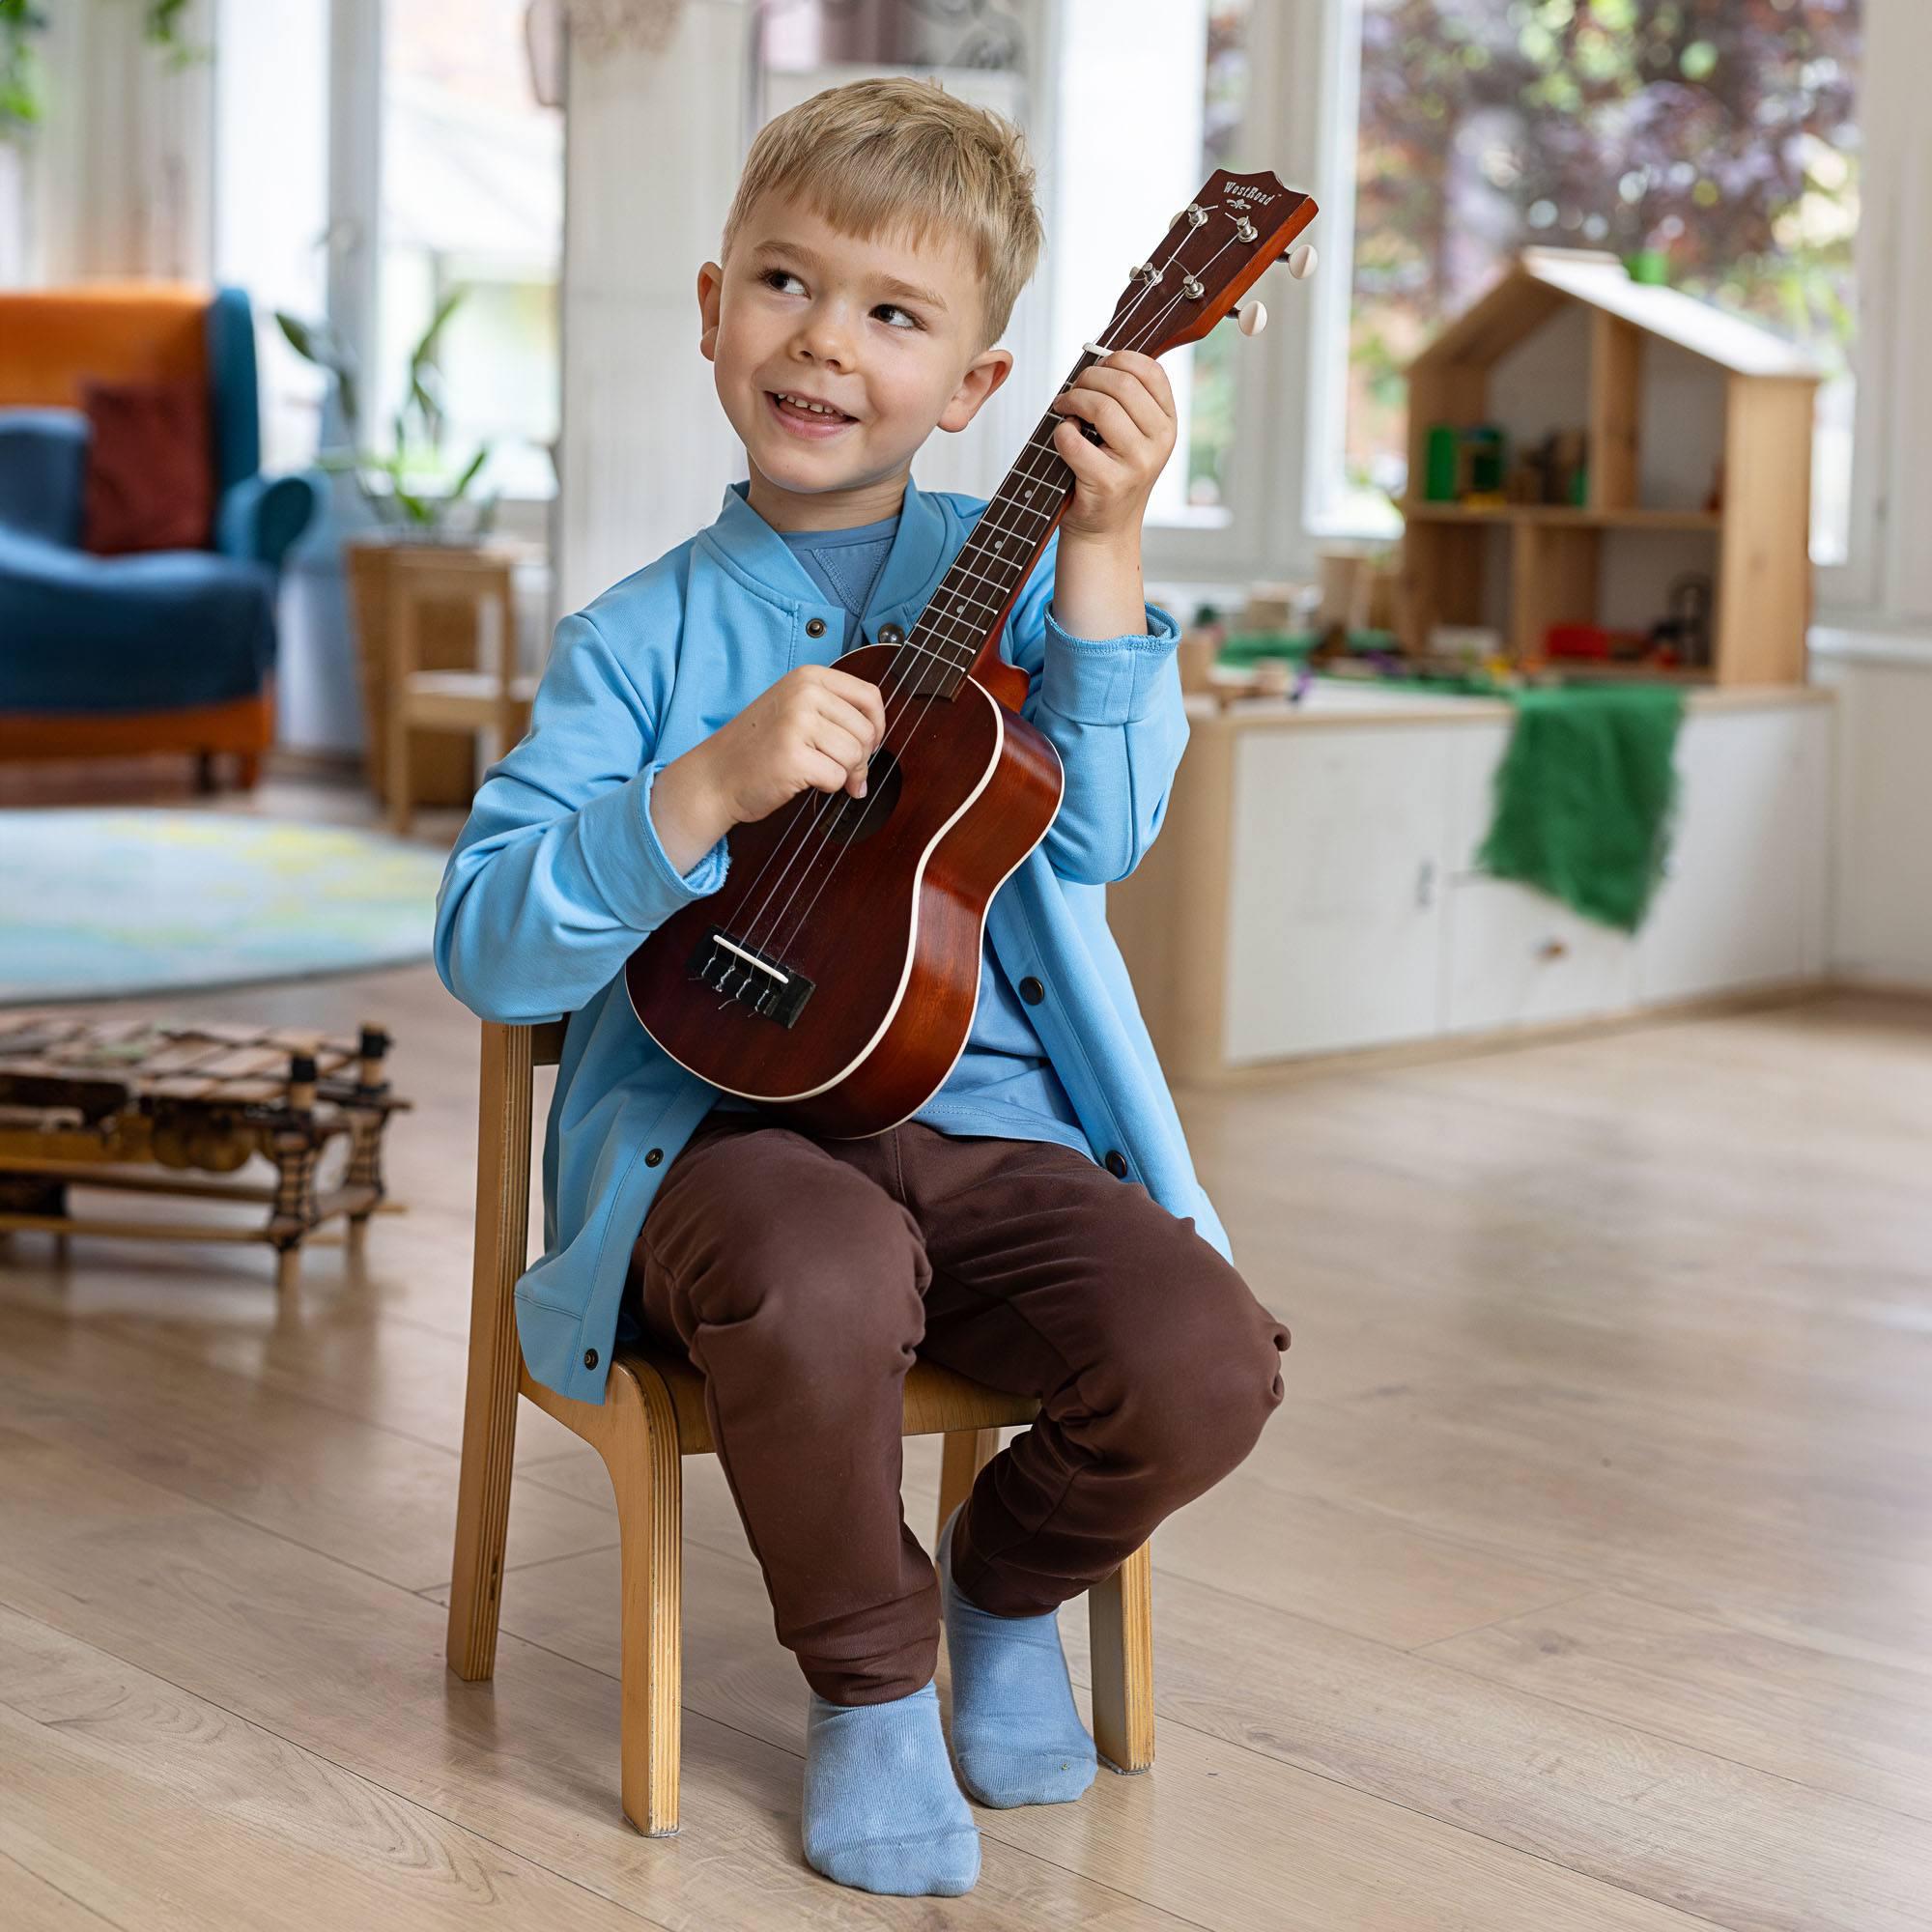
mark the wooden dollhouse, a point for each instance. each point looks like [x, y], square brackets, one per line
[1695, 477]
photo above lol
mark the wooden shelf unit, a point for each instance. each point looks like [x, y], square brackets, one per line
[1553, 554]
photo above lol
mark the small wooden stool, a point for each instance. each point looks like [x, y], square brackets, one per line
[493, 700]
[651, 1416]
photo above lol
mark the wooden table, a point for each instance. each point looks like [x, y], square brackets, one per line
[145, 1106]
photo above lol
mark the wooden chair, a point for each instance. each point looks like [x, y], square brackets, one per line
[652, 1416]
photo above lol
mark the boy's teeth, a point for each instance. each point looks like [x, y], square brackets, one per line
[817, 409]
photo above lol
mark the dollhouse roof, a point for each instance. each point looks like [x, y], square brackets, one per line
[1542, 280]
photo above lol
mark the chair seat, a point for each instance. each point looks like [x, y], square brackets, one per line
[937, 1400]
[460, 698]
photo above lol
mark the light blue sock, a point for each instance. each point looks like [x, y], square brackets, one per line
[882, 1810]
[1016, 1736]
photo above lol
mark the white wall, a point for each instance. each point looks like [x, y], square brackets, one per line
[652, 149]
[123, 165]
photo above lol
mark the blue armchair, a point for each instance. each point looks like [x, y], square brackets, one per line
[166, 650]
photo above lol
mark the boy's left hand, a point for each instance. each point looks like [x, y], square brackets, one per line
[1126, 398]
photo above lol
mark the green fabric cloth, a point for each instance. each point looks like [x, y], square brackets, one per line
[1585, 797]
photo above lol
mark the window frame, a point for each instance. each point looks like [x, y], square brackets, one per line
[355, 236]
[1261, 532]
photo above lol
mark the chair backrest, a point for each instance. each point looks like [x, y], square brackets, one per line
[138, 331]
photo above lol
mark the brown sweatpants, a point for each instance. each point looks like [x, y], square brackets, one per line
[802, 1275]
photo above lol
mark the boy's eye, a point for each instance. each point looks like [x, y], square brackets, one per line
[772, 277]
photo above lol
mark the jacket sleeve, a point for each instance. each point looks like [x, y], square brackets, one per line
[1113, 708]
[558, 874]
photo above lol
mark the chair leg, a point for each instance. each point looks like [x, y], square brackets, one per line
[964, 1453]
[490, 1404]
[639, 1450]
[1119, 1635]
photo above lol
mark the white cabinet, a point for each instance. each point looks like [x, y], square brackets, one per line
[1743, 898]
[1335, 883]
[1514, 957]
[1315, 886]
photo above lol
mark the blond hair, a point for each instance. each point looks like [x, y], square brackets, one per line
[902, 155]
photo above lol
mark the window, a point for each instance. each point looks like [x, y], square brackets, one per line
[1210, 428]
[471, 199]
[1722, 135]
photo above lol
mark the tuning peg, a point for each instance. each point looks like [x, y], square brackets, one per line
[1301, 261]
[1251, 317]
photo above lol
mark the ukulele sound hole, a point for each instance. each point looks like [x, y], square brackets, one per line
[855, 822]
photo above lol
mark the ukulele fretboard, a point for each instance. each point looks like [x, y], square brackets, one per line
[992, 563]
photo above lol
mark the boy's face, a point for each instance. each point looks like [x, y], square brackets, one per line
[887, 333]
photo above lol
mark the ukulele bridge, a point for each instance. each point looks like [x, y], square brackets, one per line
[751, 977]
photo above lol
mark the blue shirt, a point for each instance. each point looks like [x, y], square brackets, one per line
[1002, 1086]
[558, 875]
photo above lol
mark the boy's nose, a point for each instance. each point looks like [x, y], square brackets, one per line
[824, 340]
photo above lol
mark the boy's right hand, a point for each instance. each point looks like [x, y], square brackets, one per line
[814, 730]
[816, 727]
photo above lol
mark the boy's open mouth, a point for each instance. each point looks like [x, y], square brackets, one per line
[804, 421]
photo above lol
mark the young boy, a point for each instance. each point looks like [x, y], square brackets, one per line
[1036, 1224]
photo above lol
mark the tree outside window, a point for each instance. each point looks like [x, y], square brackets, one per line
[1720, 133]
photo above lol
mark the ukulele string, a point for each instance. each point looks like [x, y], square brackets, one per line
[1023, 469]
[1143, 332]
[827, 813]
[830, 814]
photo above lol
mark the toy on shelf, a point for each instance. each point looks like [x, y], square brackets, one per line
[150, 1107]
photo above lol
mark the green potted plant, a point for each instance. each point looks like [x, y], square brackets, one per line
[415, 494]
[408, 488]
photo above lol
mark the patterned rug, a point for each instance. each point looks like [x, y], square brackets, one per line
[100, 905]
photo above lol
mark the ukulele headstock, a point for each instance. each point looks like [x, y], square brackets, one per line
[1234, 229]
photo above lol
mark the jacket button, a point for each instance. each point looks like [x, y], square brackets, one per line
[655, 1155]
[590, 1358]
[891, 634]
[814, 627]
[1117, 1163]
[1032, 991]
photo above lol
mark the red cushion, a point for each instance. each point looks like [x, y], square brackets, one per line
[150, 466]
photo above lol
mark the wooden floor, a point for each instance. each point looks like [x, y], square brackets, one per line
[1584, 1580]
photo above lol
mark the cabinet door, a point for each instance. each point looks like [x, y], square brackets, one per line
[1515, 955]
[1335, 887]
[1743, 897]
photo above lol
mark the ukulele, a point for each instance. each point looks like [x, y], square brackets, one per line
[834, 976]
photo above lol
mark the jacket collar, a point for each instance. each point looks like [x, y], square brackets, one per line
[923, 546]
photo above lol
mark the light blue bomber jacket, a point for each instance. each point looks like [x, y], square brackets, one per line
[558, 874]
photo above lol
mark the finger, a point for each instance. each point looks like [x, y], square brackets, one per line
[1130, 361]
[1134, 395]
[866, 728]
[1119, 429]
[1089, 463]
[825, 774]
[861, 692]
[835, 742]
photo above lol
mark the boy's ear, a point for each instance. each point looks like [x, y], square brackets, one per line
[985, 374]
[710, 287]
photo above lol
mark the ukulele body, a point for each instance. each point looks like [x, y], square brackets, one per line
[834, 976]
